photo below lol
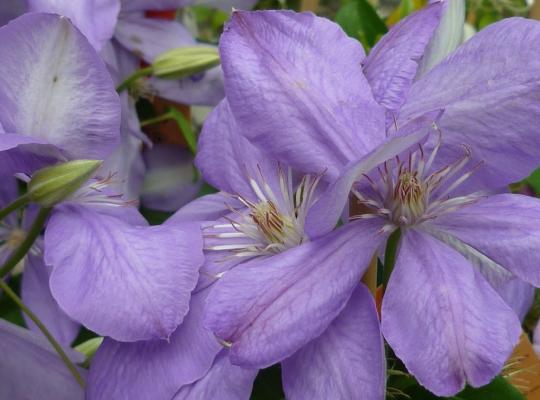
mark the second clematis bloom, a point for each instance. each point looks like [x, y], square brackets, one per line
[449, 273]
[272, 300]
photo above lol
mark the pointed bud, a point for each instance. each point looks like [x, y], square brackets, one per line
[185, 61]
[89, 347]
[51, 185]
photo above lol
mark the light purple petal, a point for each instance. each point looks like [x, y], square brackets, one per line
[37, 296]
[204, 89]
[129, 282]
[171, 180]
[346, 362]
[206, 208]
[96, 19]
[154, 369]
[490, 91]
[148, 38]
[126, 162]
[503, 230]
[442, 318]
[227, 159]
[31, 369]
[295, 85]
[325, 213]
[54, 87]
[391, 65]
[223, 381]
[26, 154]
[269, 308]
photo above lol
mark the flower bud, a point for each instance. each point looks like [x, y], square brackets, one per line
[184, 61]
[89, 347]
[51, 185]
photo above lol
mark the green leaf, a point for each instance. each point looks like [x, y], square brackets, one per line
[534, 181]
[359, 20]
[498, 389]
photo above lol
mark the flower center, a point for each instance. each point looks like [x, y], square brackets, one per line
[409, 193]
[273, 223]
[15, 238]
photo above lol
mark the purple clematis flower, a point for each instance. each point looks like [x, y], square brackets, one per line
[274, 300]
[52, 111]
[455, 244]
[31, 369]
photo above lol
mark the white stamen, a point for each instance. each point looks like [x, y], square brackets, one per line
[273, 223]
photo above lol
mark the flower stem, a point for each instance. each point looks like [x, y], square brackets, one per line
[390, 254]
[156, 120]
[72, 368]
[27, 243]
[17, 203]
[140, 73]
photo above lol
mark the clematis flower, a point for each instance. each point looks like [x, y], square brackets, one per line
[31, 369]
[280, 64]
[274, 298]
[52, 111]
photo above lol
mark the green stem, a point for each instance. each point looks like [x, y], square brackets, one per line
[27, 243]
[390, 254]
[18, 203]
[156, 120]
[140, 73]
[45, 331]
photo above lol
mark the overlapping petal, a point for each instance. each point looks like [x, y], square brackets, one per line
[497, 229]
[130, 282]
[392, 64]
[223, 381]
[270, 307]
[96, 19]
[204, 89]
[227, 160]
[346, 362]
[295, 85]
[148, 38]
[490, 91]
[36, 294]
[54, 87]
[443, 319]
[154, 369]
[325, 213]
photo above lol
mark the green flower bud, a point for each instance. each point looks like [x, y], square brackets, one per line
[185, 61]
[51, 185]
[89, 347]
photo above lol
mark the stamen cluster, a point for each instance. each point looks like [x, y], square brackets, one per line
[273, 221]
[408, 193]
